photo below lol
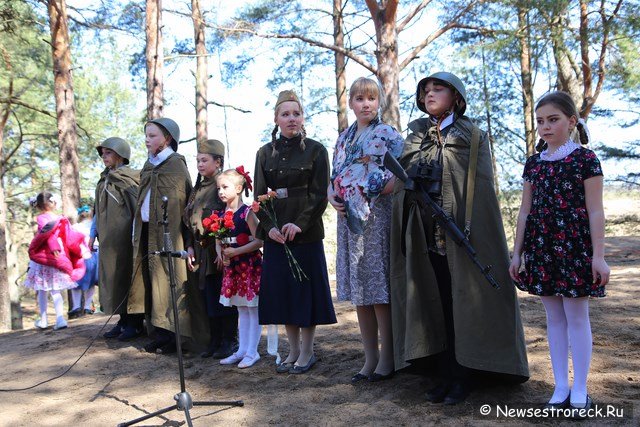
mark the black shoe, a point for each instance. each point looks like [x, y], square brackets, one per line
[88, 311]
[168, 348]
[581, 412]
[358, 377]
[113, 332]
[438, 393]
[129, 333]
[376, 377]
[297, 369]
[559, 405]
[458, 393]
[226, 349]
[74, 314]
[214, 345]
[153, 346]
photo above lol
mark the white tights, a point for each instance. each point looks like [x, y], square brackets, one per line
[568, 326]
[249, 331]
[57, 304]
[76, 298]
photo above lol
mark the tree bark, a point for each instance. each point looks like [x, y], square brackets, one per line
[155, 59]
[65, 108]
[487, 109]
[5, 292]
[569, 76]
[202, 73]
[383, 14]
[340, 64]
[526, 79]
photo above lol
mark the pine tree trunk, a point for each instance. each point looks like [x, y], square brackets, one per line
[526, 81]
[569, 75]
[5, 294]
[340, 67]
[155, 59]
[384, 18]
[65, 108]
[201, 72]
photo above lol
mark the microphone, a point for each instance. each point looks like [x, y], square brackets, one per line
[174, 254]
[165, 200]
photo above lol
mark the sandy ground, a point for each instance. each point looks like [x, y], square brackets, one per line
[115, 382]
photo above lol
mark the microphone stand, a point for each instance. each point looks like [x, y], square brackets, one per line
[183, 399]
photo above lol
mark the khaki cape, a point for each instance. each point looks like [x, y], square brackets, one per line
[488, 329]
[115, 203]
[170, 178]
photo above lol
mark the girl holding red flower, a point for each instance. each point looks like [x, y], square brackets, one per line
[239, 255]
[212, 318]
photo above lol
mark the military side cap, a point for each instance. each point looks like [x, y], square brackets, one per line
[287, 95]
[211, 146]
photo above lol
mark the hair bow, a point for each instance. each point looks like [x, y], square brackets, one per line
[241, 171]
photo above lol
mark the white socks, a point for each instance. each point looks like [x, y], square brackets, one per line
[58, 304]
[568, 322]
[42, 305]
[249, 331]
[577, 311]
[88, 297]
[76, 299]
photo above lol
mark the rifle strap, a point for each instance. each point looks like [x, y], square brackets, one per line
[471, 178]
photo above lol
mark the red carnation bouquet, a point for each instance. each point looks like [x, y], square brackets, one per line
[216, 227]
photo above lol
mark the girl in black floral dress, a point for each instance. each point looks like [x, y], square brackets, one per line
[560, 241]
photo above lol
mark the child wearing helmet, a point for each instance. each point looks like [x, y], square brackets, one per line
[442, 306]
[164, 174]
[115, 203]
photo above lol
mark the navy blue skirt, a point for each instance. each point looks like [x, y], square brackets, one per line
[286, 301]
[212, 286]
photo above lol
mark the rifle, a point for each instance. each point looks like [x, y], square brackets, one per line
[444, 219]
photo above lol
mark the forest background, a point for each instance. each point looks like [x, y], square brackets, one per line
[74, 73]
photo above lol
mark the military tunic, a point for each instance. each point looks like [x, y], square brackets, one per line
[305, 175]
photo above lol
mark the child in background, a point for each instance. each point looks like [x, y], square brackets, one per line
[88, 282]
[560, 240]
[45, 279]
[242, 262]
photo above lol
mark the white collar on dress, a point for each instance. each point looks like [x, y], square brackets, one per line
[561, 152]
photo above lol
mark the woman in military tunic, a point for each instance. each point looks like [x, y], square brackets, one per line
[297, 168]
[223, 321]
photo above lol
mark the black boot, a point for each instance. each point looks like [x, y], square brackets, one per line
[229, 341]
[215, 332]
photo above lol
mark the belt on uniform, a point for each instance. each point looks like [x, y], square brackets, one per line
[283, 193]
[232, 240]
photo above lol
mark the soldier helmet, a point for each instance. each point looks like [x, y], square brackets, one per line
[119, 145]
[449, 79]
[171, 127]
